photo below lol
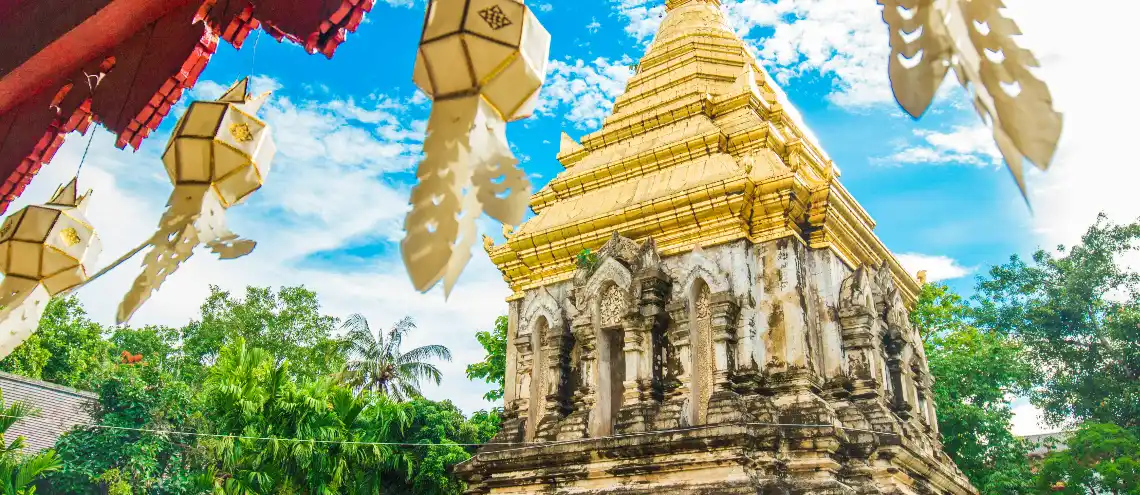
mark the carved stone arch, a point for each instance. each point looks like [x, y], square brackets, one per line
[703, 269]
[608, 298]
[609, 270]
[542, 304]
[856, 295]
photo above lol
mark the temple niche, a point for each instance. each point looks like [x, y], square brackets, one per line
[738, 327]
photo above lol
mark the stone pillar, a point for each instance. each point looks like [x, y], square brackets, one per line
[512, 425]
[724, 406]
[577, 423]
[860, 324]
[672, 413]
[553, 349]
[784, 306]
[638, 406]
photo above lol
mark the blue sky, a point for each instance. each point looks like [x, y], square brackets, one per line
[349, 132]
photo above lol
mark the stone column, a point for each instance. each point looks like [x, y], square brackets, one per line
[552, 349]
[577, 423]
[638, 407]
[512, 426]
[671, 413]
[723, 404]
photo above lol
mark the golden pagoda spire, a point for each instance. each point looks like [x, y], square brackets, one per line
[700, 149]
[672, 4]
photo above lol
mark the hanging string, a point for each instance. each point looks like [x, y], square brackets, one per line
[518, 445]
[253, 60]
[90, 120]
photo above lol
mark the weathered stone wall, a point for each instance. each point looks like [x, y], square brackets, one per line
[729, 369]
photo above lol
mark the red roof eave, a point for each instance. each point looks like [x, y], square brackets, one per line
[142, 53]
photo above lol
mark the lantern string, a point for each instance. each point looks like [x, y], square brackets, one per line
[90, 139]
[90, 118]
[253, 59]
[115, 264]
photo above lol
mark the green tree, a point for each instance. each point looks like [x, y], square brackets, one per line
[157, 345]
[287, 324]
[67, 348]
[445, 439]
[19, 471]
[974, 372]
[377, 364]
[493, 368]
[1077, 311]
[122, 445]
[1100, 458]
[296, 436]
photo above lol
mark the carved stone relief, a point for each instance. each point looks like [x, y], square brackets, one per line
[612, 306]
[702, 345]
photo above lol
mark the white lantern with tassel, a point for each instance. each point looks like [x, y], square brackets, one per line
[44, 250]
[217, 157]
[483, 63]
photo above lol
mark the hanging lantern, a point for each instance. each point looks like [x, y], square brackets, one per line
[483, 63]
[218, 155]
[44, 250]
[975, 39]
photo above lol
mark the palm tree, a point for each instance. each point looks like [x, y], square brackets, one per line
[376, 363]
[18, 471]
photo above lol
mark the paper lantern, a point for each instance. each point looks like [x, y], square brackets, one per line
[44, 250]
[483, 63]
[976, 40]
[218, 155]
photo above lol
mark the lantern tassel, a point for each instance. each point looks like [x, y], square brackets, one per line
[194, 216]
[23, 301]
[467, 169]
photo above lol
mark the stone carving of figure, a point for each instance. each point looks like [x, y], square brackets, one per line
[702, 348]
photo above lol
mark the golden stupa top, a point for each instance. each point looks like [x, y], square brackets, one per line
[701, 149]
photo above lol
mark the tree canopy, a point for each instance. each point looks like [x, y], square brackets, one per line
[259, 394]
[1077, 312]
[493, 367]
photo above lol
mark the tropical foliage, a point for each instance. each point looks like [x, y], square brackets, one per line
[1062, 328]
[376, 363]
[1100, 458]
[975, 372]
[1077, 310]
[259, 395]
[493, 367]
[18, 470]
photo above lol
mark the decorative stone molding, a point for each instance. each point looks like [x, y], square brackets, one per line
[541, 304]
[609, 270]
[707, 271]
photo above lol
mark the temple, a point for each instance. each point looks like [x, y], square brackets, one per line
[736, 326]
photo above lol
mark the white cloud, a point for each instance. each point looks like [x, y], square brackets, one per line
[973, 145]
[642, 16]
[938, 268]
[1027, 419]
[844, 39]
[839, 38]
[1094, 169]
[327, 190]
[588, 89]
[594, 25]
[545, 7]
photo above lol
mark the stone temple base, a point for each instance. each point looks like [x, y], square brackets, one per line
[748, 458]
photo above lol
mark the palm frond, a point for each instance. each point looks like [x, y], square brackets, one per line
[421, 371]
[424, 353]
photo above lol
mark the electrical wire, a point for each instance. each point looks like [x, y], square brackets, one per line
[524, 445]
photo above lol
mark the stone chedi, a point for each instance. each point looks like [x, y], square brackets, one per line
[739, 328]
